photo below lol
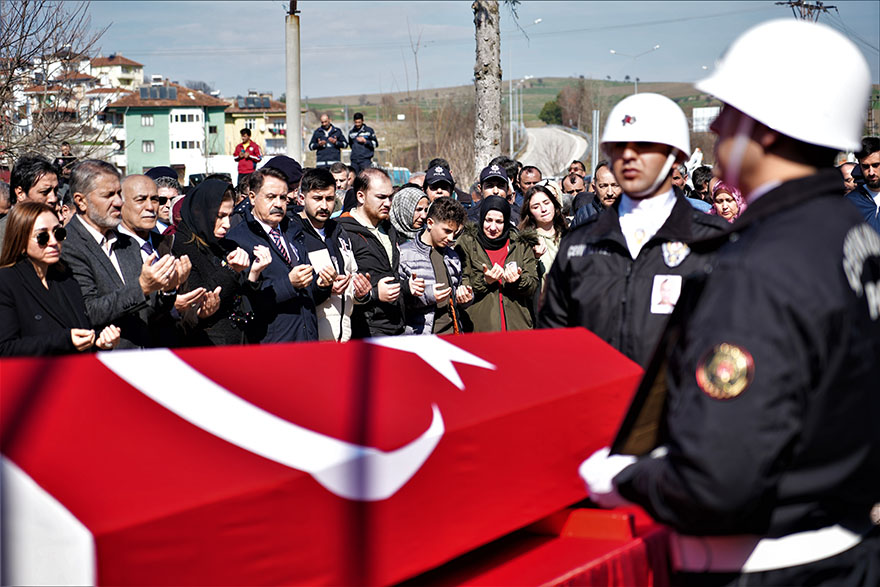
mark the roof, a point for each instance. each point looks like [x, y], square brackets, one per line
[274, 106]
[183, 97]
[42, 89]
[75, 76]
[108, 91]
[114, 60]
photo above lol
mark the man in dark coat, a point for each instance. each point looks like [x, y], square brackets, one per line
[619, 273]
[374, 241]
[328, 141]
[119, 285]
[765, 457]
[284, 307]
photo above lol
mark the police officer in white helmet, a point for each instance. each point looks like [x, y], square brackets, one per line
[767, 453]
[619, 273]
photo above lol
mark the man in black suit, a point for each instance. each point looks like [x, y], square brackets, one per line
[117, 285]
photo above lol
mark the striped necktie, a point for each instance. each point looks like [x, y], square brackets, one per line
[275, 235]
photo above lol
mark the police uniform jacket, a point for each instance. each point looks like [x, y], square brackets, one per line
[282, 313]
[329, 153]
[362, 151]
[595, 282]
[773, 376]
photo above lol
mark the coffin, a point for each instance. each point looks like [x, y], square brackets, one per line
[364, 463]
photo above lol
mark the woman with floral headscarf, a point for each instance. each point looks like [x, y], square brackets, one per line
[727, 202]
[409, 207]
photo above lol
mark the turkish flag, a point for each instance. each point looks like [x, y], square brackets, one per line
[366, 462]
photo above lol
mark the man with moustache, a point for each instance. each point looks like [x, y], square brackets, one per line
[120, 283]
[608, 269]
[284, 306]
[330, 253]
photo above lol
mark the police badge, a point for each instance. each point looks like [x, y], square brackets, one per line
[726, 371]
[674, 253]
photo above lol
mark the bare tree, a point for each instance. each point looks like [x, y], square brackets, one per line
[42, 46]
[487, 82]
[554, 154]
[415, 46]
[452, 123]
[199, 85]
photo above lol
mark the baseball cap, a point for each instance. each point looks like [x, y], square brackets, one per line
[437, 174]
[493, 171]
[289, 167]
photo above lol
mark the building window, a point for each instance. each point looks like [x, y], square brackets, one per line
[146, 120]
[250, 123]
[212, 130]
[190, 118]
[148, 146]
[198, 118]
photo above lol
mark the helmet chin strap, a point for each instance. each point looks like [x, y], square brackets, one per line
[661, 177]
[740, 143]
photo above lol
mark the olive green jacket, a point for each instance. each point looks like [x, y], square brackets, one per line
[484, 314]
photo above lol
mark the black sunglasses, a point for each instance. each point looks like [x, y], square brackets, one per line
[60, 234]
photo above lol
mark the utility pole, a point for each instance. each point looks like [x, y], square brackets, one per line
[294, 115]
[806, 10]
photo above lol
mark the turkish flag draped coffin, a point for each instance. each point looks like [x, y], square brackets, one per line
[362, 463]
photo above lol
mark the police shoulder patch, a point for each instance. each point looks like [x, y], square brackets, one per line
[725, 371]
[674, 253]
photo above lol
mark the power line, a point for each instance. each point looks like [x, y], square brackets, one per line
[318, 49]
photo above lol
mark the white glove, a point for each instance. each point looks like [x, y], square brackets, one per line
[598, 473]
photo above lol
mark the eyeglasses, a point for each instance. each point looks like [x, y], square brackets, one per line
[59, 232]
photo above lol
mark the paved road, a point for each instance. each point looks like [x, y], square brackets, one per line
[552, 149]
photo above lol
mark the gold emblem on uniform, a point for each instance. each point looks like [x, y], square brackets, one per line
[726, 371]
[674, 253]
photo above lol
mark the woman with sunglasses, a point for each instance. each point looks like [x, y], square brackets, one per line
[41, 307]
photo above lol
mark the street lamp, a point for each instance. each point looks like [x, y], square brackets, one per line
[654, 48]
[510, 90]
[634, 57]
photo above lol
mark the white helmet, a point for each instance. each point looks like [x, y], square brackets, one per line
[648, 118]
[802, 79]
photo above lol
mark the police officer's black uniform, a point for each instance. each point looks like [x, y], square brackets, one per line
[595, 282]
[362, 153]
[328, 153]
[774, 390]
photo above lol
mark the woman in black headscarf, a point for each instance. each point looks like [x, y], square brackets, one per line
[499, 264]
[219, 266]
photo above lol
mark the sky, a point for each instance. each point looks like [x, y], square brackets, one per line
[367, 47]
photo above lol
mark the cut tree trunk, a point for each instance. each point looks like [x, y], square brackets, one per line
[487, 83]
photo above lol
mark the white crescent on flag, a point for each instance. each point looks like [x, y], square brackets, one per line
[348, 470]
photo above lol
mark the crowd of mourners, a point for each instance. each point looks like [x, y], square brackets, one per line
[94, 260]
[751, 298]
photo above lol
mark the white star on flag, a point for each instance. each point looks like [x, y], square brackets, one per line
[436, 352]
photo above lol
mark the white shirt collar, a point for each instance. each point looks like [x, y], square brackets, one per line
[124, 230]
[641, 219]
[266, 227]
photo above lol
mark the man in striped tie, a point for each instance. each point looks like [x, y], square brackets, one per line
[284, 307]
